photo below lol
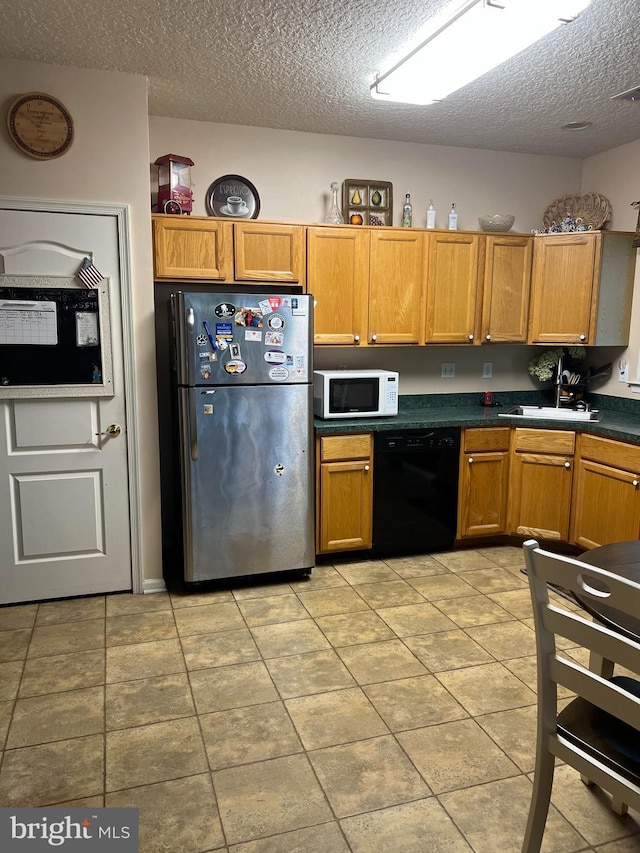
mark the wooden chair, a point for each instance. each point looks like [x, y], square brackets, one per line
[598, 733]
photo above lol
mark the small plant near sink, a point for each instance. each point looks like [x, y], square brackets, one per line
[544, 366]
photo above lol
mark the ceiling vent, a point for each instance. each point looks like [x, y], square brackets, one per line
[628, 95]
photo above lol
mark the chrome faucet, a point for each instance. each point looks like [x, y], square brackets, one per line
[559, 382]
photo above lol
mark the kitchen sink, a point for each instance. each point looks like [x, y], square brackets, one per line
[551, 413]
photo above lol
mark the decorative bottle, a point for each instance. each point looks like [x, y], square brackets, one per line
[431, 215]
[453, 218]
[407, 212]
[334, 215]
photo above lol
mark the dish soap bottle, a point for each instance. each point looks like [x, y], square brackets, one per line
[453, 218]
[407, 212]
[431, 215]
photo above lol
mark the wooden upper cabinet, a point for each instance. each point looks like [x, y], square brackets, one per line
[396, 286]
[338, 280]
[506, 286]
[582, 286]
[192, 247]
[562, 287]
[452, 287]
[267, 252]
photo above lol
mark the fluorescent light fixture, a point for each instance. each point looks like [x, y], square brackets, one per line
[473, 39]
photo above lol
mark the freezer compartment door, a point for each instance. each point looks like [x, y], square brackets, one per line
[243, 338]
[248, 494]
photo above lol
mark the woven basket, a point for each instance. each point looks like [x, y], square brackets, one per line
[592, 208]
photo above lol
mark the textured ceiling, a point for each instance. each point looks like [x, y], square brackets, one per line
[307, 64]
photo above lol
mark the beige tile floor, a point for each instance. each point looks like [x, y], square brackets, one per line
[377, 707]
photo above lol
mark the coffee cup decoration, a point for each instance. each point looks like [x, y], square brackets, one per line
[232, 197]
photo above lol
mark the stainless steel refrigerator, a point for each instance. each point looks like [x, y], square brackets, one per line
[244, 395]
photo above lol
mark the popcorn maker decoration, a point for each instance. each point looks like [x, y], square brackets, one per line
[174, 184]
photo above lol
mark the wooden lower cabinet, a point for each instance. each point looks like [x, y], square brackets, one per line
[484, 482]
[344, 500]
[540, 483]
[606, 495]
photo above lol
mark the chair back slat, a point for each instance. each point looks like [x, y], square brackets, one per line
[597, 690]
[592, 636]
[586, 581]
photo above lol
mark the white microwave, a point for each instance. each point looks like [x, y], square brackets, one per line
[355, 393]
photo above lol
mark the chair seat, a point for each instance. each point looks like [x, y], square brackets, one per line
[602, 735]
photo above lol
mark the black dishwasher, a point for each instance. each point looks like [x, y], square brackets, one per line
[415, 490]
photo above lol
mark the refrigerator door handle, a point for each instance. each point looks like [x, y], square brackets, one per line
[190, 325]
[193, 426]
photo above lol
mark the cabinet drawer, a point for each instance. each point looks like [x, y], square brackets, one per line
[477, 440]
[336, 447]
[545, 440]
[614, 453]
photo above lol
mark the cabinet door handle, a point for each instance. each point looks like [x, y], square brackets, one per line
[356, 338]
[636, 483]
[470, 460]
[366, 467]
[567, 464]
[470, 337]
[374, 337]
[488, 337]
[583, 337]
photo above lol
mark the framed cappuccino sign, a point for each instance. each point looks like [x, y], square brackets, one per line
[233, 197]
[40, 126]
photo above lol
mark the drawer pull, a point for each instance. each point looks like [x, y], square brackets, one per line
[636, 483]
[488, 337]
[366, 467]
[356, 338]
[374, 337]
[583, 337]
[470, 337]
[470, 460]
[567, 464]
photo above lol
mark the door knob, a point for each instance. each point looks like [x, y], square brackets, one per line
[112, 430]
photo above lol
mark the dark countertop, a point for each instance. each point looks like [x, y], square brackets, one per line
[621, 425]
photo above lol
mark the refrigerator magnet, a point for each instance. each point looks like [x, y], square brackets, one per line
[298, 307]
[250, 317]
[278, 374]
[201, 340]
[205, 371]
[274, 339]
[265, 307]
[252, 335]
[234, 350]
[207, 409]
[276, 322]
[275, 356]
[224, 309]
[235, 366]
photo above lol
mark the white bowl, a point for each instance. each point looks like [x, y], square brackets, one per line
[496, 221]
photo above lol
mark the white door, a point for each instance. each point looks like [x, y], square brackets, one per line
[64, 496]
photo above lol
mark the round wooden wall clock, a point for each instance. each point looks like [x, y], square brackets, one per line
[40, 126]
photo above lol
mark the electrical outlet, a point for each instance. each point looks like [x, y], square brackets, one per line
[487, 370]
[447, 370]
[623, 368]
